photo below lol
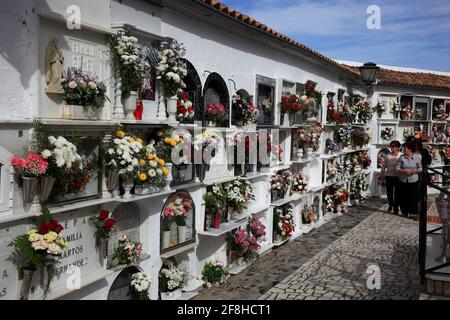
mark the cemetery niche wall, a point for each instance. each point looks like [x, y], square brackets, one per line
[313, 169]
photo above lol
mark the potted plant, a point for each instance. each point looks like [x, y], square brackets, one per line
[215, 273]
[171, 280]
[243, 245]
[215, 114]
[127, 252]
[140, 284]
[244, 110]
[39, 248]
[84, 95]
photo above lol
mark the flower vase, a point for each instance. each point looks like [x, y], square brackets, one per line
[130, 105]
[210, 123]
[26, 283]
[46, 185]
[103, 250]
[338, 208]
[181, 233]
[310, 151]
[240, 261]
[127, 186]
[286, 120]
[112, 179]
[171, 108]
[207, 221]
[169, 178]
[173, 295]
[166, 239]
[299, 153]
[287, 194]
[199, 172]
[30, 188]
[216, 223]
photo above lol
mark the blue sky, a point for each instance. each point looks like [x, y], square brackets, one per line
[413, 33]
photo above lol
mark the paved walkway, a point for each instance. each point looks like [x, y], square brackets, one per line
[331, 262]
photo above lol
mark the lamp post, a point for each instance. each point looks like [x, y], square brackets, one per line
[442, 204]
[369, 72]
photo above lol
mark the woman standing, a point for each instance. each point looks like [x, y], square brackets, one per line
[389, 170]
[409, 167]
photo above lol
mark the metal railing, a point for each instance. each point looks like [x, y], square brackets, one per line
[423, 233]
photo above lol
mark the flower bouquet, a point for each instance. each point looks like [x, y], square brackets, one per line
[290, 105]
[329, 203]
[256, 228]
[387, 134]
[266, 105]
[360, 137]
[284, 222]
[172, 279]
[244, 110]
[215, 114]
[132, 67]
[299, 183]
[406, 113]
[344, 135]
[364, 111]
[127, 252]
[83, 94]
[340, 197]
[185, 111]
[104, 224]
[446, 154]
[278, 187]
[243, 244]
[40, 247]
[357, 187]
[140, 284]
[29, 169]
[395, 108]
[215, 273]
[308, 215]
[238, 193]
[170, 71]
[179, 210]
[332, 172]
[363, 159]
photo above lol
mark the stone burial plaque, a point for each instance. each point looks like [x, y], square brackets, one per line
[8, 279]
[121, 288]
[128, 219]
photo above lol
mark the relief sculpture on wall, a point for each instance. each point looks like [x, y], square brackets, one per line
[54, 62]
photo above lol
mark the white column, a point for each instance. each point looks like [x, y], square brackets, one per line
[105, 192]
[118, 112]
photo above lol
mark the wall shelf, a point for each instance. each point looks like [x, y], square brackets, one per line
[224, 228]
[181, 249]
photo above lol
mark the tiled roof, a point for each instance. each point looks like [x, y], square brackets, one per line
[241, 17]
[415, 79]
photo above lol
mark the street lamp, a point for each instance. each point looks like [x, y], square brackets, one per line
[369, 72]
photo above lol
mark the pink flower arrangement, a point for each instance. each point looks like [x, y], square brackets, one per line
[215, 112]
[256, 227]
[33, 165]
[243, 243]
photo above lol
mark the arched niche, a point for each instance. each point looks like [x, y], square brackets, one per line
[121, 287]
[172, 236]
[128, 219]
[382, 154]
[215, 90]
[194, 89]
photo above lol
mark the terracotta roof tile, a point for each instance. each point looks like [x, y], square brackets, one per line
[224, 9]
[414, 79]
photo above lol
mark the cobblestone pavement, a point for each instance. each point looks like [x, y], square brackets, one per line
[330, 262]
[340, 271]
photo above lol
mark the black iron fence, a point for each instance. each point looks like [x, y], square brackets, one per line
[443, 185]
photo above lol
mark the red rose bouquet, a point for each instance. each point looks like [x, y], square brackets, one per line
[105, 225]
